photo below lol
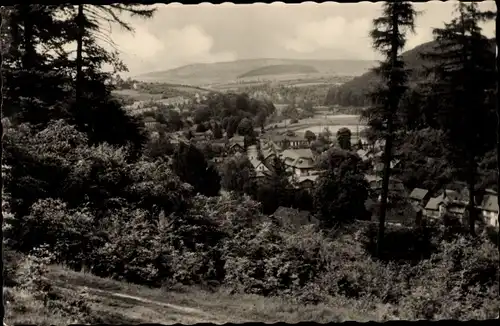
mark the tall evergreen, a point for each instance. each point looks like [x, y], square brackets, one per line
[389, 38]
[463, 80]
[497, 103]
[35, 85]
[94, 110]
[88, 20]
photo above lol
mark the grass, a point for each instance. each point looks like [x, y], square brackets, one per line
[111, 301]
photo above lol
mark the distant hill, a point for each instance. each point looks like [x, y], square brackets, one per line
[221, 72]
[353, 92]
[280, 70]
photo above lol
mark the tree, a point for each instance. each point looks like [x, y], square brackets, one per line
[344, 138]
[341, 191]
[191, 167]
[290, 112]
[232, 126]
[260, 119]
[309, 135]
[217, 130]
[275, 191]
[174, 120]
[201, 128]
[245, 127]
[33, 31]
[389, 37]
[497, 71]
[238, 175]
[89, 19]
[464, 80]
[202, 114]
[308, 106]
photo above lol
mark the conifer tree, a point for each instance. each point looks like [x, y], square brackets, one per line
[463, 79]
[388, 35]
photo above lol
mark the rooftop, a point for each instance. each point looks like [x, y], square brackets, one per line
[490, 203]
[419, 193]
[434, 203]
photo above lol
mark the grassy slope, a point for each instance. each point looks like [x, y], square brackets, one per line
[200, 74]
[114, 302]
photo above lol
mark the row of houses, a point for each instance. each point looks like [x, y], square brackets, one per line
[299, 162]
[454, 203]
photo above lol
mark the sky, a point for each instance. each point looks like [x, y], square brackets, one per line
[185, 34]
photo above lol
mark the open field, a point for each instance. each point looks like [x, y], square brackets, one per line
[115, 302]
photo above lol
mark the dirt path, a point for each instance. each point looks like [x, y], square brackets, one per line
[184, 314]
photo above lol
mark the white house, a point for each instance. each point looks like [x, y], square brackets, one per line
[489, 210]
[299, 161]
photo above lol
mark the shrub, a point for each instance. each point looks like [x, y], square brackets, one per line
[270, 262]
[134, 250]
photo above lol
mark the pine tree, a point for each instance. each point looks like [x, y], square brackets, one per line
[388, 37]
[497, 103]
[94, 110]
[463, 78]
[88, 20]
[35, 85]
[497, 71]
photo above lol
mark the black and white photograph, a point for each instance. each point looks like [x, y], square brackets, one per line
[269, 162]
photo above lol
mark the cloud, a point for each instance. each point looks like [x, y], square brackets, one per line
[330, 33]
[192, 44]
[140, 44]
[181, 34]
[144, 51]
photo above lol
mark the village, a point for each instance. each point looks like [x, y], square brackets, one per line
[294, 150]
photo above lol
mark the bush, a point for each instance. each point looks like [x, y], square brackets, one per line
[265, 261]
[134, 250]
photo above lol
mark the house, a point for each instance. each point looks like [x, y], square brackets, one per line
[259, 166]
[419, 197]
[237, 140]
[375, 183]
[299, 161]
[236, 144]
[396, 187]
[236, 148]
[252, 152]
[363, 154]
[268, 157]
[150, 122]
[378, 164]
[450, 202]
[298, 142]
[433, 209]
[282, 141]
[489, 209]
[306, 181]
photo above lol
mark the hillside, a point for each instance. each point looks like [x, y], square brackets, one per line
[279, 70]
[354, 91]
[209, 73]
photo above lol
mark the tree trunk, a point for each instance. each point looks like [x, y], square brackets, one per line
[79, 53]
[497, 26]
[393, 103]
[471, 207]
[2, 308]
[29, 49]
